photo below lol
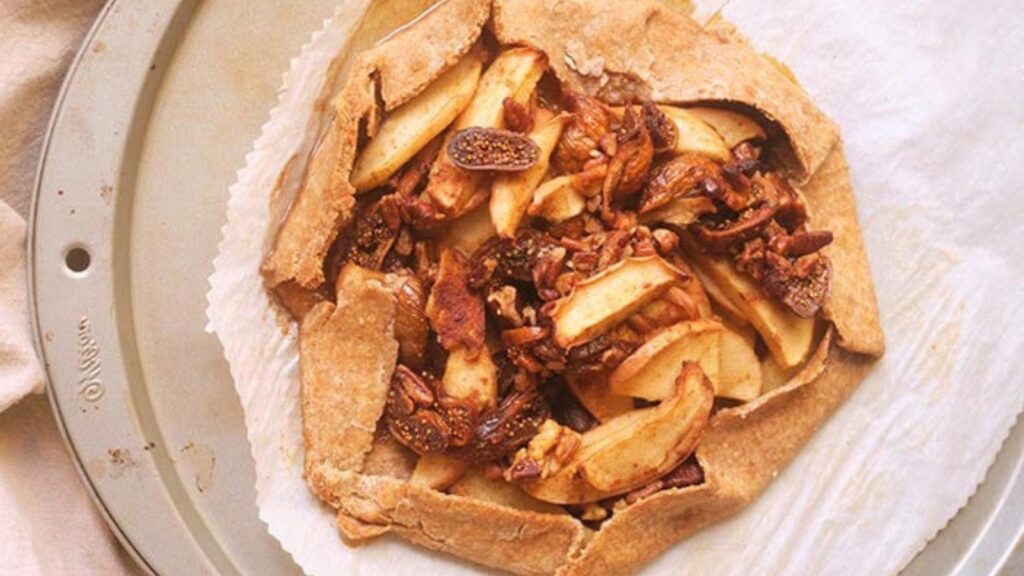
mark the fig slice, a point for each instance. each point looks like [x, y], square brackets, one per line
[492, 150]
[634, 449]
[651, 371]
[601, 302]
[413, 125]
[679, 212]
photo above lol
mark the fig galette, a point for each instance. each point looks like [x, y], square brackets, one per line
[574, 279]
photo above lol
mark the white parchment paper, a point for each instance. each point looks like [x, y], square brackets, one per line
[930, 96]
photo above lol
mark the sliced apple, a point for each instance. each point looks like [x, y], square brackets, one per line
[438, 471]
[513, 74]
[734, 314]
[557, 200]
[773, 376]
[598, 303]
[788, 336]
[695, 135]
[469, 378]
[651, 371]
[680, 212]
[633, 449]
[734, 127]
[739, 372]
[470, 232]
[511, 193]
[595, 396]
[662, 312]
[413, 125]
[474, 484]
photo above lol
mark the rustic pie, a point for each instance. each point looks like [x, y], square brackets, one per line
[574, 279]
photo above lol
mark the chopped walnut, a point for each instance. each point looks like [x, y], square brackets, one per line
[503, 305]
[594, 512]
[548, 451]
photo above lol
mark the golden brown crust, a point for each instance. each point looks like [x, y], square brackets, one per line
[852, 307]
[348, 352]
[393, 72]
[416, 56]
[522, 542]
[671, 58]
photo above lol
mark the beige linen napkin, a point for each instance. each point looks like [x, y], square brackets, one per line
[48, 524]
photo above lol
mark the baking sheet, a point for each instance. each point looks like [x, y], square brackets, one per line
[128, 155]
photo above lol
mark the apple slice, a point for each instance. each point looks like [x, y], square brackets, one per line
[633, 449]
[598, 303]
[695, 135]
[598, 400]
[651, 371]
[773, 376]
[513, 74]
[511, 193]
[734, 127]
[413, 125]
[788, 336]
[475, 485]
[663, 312]
[438, 471]
[734, 314]
[557, 200]
[739, 371]
[680, 212]
[470, 232]
[469, 378]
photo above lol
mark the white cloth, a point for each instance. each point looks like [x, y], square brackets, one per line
[48, 524]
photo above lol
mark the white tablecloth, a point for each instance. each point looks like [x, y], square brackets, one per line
[48, 524]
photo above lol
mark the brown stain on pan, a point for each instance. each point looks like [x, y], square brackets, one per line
[202, 460]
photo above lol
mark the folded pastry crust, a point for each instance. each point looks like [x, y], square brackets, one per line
[640, 47]
[381, 79]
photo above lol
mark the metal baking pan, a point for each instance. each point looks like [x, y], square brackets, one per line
[162, 104]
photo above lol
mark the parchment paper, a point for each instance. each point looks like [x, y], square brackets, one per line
[929, 96]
